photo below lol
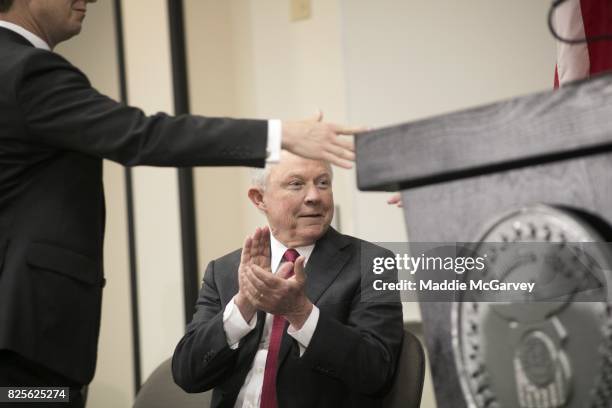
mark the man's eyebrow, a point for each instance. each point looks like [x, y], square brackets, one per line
[290, 175]
[293, 174]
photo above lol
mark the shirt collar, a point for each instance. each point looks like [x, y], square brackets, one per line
[31, 37]
[278, 250]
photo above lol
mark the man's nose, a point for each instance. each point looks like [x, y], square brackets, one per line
[313, 195]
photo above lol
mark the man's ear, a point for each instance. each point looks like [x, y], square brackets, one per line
[256, 196]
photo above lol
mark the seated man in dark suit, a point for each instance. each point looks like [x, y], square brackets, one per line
[289, 321]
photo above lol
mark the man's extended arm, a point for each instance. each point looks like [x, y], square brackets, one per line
[62, 110]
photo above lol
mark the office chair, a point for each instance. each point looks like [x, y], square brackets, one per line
[160, 391]
[409, 376]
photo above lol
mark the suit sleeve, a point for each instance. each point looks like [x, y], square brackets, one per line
[363, 351]
[203, 359]
[63, 111]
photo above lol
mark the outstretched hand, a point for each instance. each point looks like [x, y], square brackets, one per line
[396, 199]
[314, 139]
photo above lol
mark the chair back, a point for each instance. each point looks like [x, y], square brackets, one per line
[160, 391]
[410, 374]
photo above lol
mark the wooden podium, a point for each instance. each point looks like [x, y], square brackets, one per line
[461, 172]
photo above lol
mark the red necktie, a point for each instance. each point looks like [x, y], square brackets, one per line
[268, 389]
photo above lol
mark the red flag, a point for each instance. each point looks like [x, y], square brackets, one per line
[575, 19]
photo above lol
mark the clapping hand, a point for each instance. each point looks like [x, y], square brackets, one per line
[260, 289]
[255, 251]
[278, 294]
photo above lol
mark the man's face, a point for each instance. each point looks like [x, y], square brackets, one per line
[298, 200]
[58, 20]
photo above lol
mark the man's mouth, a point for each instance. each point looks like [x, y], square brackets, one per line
[311, 215]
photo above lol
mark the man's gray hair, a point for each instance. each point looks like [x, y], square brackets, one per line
[259, 177]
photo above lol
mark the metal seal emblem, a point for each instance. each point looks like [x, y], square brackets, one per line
[531, 353]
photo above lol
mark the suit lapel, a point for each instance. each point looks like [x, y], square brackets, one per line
[324, 265]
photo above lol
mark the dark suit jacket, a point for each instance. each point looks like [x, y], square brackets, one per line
[55, 129]
[351, 358]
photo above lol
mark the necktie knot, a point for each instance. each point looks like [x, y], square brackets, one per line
[291, 255]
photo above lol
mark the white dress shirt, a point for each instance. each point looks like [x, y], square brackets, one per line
[236, 328]
[275, 137]
[273, 146]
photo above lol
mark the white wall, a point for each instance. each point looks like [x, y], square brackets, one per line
[408, 59]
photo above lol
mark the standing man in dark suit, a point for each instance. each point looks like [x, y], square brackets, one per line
[299, 337]
[55, 129]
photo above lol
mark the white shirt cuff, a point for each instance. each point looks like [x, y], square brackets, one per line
[235, 326]
[304, 335]
[275, 136]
